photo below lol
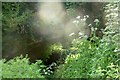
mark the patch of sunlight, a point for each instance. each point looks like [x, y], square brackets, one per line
[72, 57]
[51, 12]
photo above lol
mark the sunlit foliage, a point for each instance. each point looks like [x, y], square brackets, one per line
[112, 30]
[20, 67]
[89, 60]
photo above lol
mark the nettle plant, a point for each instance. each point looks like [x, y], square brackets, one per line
[19, 67]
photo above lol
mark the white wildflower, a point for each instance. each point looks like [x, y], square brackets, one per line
[95, 28]
[117, 50]
[96, 20]
[80, 33]
[72, 34]
[84, 19]
[90, 25]
[87, 16]
[92, 28]
[86, 36]
[78, 17]
[75, 21]
[80, 37]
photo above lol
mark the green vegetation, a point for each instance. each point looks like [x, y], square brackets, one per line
[97, 59]
[90, 60]
[86, 46]
[20, 67]
[14, 16]
[112, 30]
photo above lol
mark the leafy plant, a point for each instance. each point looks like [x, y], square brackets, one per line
[87, 60]
[112, 25]
[56, 47]
[20, 67]
[17, 17]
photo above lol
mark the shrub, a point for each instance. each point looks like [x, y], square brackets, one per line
[97, 59]
[20, 67]
[112, 25]
[53, 53]
[56, 48]
[54, 58]
[17, 17]
[89, 60]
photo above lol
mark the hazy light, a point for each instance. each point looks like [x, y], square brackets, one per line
[51, 12]
[55, 24]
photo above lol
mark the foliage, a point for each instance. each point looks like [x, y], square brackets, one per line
[20, 67]
[13, 17]
[52, 49]
[0, 69]
[71, 4]
[112, 30]
[56, 48]
[91, 60]
[95, 58]
[73, 7]
[80, 23]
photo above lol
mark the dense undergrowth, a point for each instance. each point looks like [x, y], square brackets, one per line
[90, 60]
[20, 67]
[97, 58]
[85, 59]
[93, 58]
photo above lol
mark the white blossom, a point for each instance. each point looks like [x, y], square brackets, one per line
[80, 33]
[95, 28]
[87, 16]
[75, 21]
[96, 20]
[72, 34]
[86, 36]
[90, 25]
[78, 17]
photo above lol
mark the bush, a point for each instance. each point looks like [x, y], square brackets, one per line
[89, 60]
[112, 25]
[96, 59]
[56, 47]
[20, 67]
[17, 17]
